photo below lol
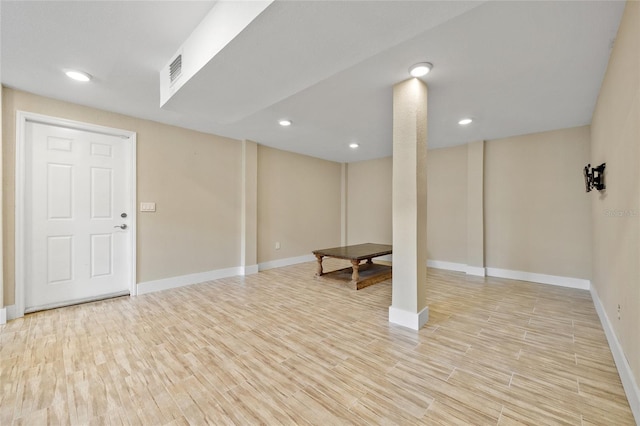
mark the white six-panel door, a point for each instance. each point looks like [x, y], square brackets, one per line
[76, 203]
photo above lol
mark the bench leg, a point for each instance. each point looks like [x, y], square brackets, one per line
[319, 270]
[355, 276]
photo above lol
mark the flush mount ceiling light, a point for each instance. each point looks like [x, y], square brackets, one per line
[78, 75]
[353, 145]
[420, 69]
[465, 121]
[285, 123]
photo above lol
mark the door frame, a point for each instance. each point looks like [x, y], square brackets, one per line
[130, 138]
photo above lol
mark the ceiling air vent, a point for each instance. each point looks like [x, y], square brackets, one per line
[175, 69]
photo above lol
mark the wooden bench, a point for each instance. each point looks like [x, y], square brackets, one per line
[359, 276]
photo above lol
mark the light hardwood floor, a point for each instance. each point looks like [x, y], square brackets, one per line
[281, 347]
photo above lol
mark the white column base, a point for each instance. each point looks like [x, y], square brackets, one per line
[3, 316]
[409, 319]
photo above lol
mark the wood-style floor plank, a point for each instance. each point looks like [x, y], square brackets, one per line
[281, 347]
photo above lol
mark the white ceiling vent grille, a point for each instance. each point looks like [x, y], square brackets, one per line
[175, 69]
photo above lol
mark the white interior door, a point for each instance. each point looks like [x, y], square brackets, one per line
[77, 224]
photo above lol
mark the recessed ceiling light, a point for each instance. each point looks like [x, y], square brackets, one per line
[420, 69]
[285, 123]
[78, 75]
[465, 121]
[353, 145]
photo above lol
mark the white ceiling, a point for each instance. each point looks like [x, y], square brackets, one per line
[329, 66]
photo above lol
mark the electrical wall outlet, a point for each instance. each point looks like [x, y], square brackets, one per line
[619, 311]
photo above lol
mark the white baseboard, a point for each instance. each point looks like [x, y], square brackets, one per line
[624, 369]
[458, 267]
[249, 270]
[540, 278]
[183, 280]
[478, 271]
[11, 312]
[578, 283]
[411, 320]
[449, 266]
[3, 316]
[279, 263]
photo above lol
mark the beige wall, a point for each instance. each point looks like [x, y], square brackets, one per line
[475, 207]
[537, 215]
[1, 209]
[298, 204]
[615, 140]
[369, 201]
[193, 177]
[447, 204]
[249, 207]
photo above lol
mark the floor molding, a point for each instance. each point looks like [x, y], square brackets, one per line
[570, 282]
[184, 280]
[11, 312]
[249, 270]
[624, 369]
[279, 263]
[448, 266]
[3, 316]
[478, 271]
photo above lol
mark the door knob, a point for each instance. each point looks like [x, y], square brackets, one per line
[123, 226]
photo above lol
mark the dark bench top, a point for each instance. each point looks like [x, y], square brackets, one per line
[356, 252]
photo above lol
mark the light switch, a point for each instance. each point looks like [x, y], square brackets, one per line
[147, 207]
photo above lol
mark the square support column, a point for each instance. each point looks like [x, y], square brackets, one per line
[409, 300]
